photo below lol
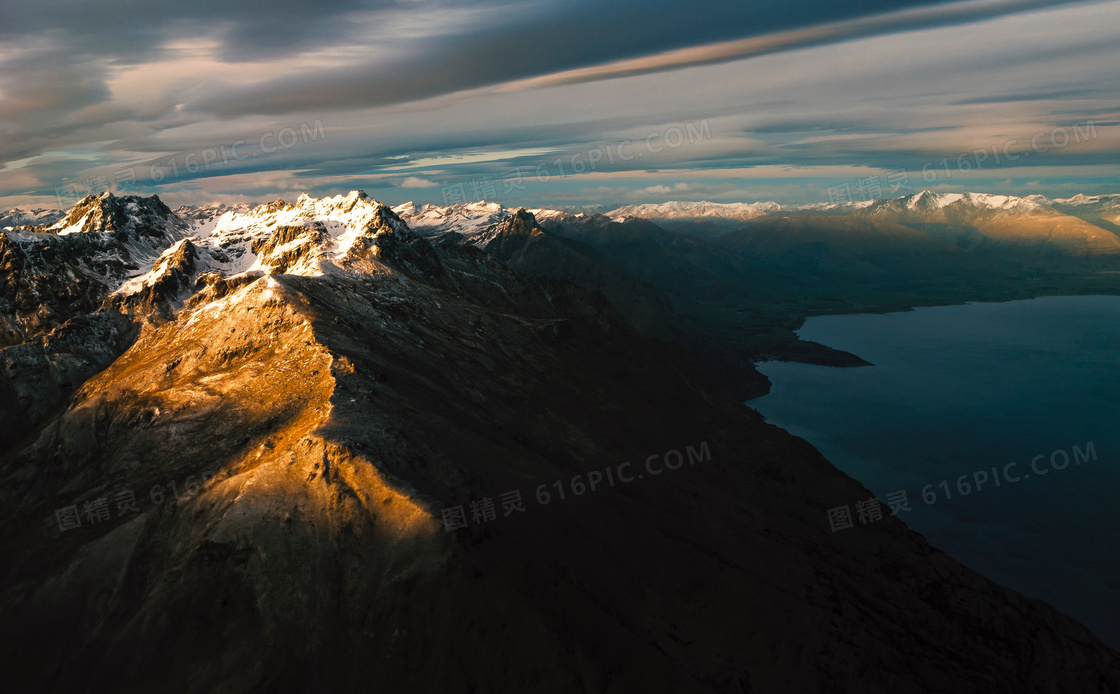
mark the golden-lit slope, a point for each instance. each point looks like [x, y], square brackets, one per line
[1015, 223]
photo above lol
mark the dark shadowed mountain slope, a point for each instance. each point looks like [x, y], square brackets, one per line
[636, 280]
[521, 244]
[833, 251]
[688, 267]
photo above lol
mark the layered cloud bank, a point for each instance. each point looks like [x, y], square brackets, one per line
[558, 103]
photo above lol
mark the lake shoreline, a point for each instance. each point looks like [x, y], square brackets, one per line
[803, 351]
[964, 387]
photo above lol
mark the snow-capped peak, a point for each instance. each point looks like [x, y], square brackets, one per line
[926, 196]
[314, 236]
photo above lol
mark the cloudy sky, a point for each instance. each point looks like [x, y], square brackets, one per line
[557, 102]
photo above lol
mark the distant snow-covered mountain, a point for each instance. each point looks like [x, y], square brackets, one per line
[1009, 221]
[928, 200]
[1081, 199]
[1099, 209]
[466, 219]
[469, 219]
[922, 202]
[200, 214]
[36, 217]
[733, 212]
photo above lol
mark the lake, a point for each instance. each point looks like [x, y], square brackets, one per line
[960, 390]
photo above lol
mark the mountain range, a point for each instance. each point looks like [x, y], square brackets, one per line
[332, 445]
[732, 282]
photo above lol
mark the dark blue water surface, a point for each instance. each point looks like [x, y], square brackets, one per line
[957, 390]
